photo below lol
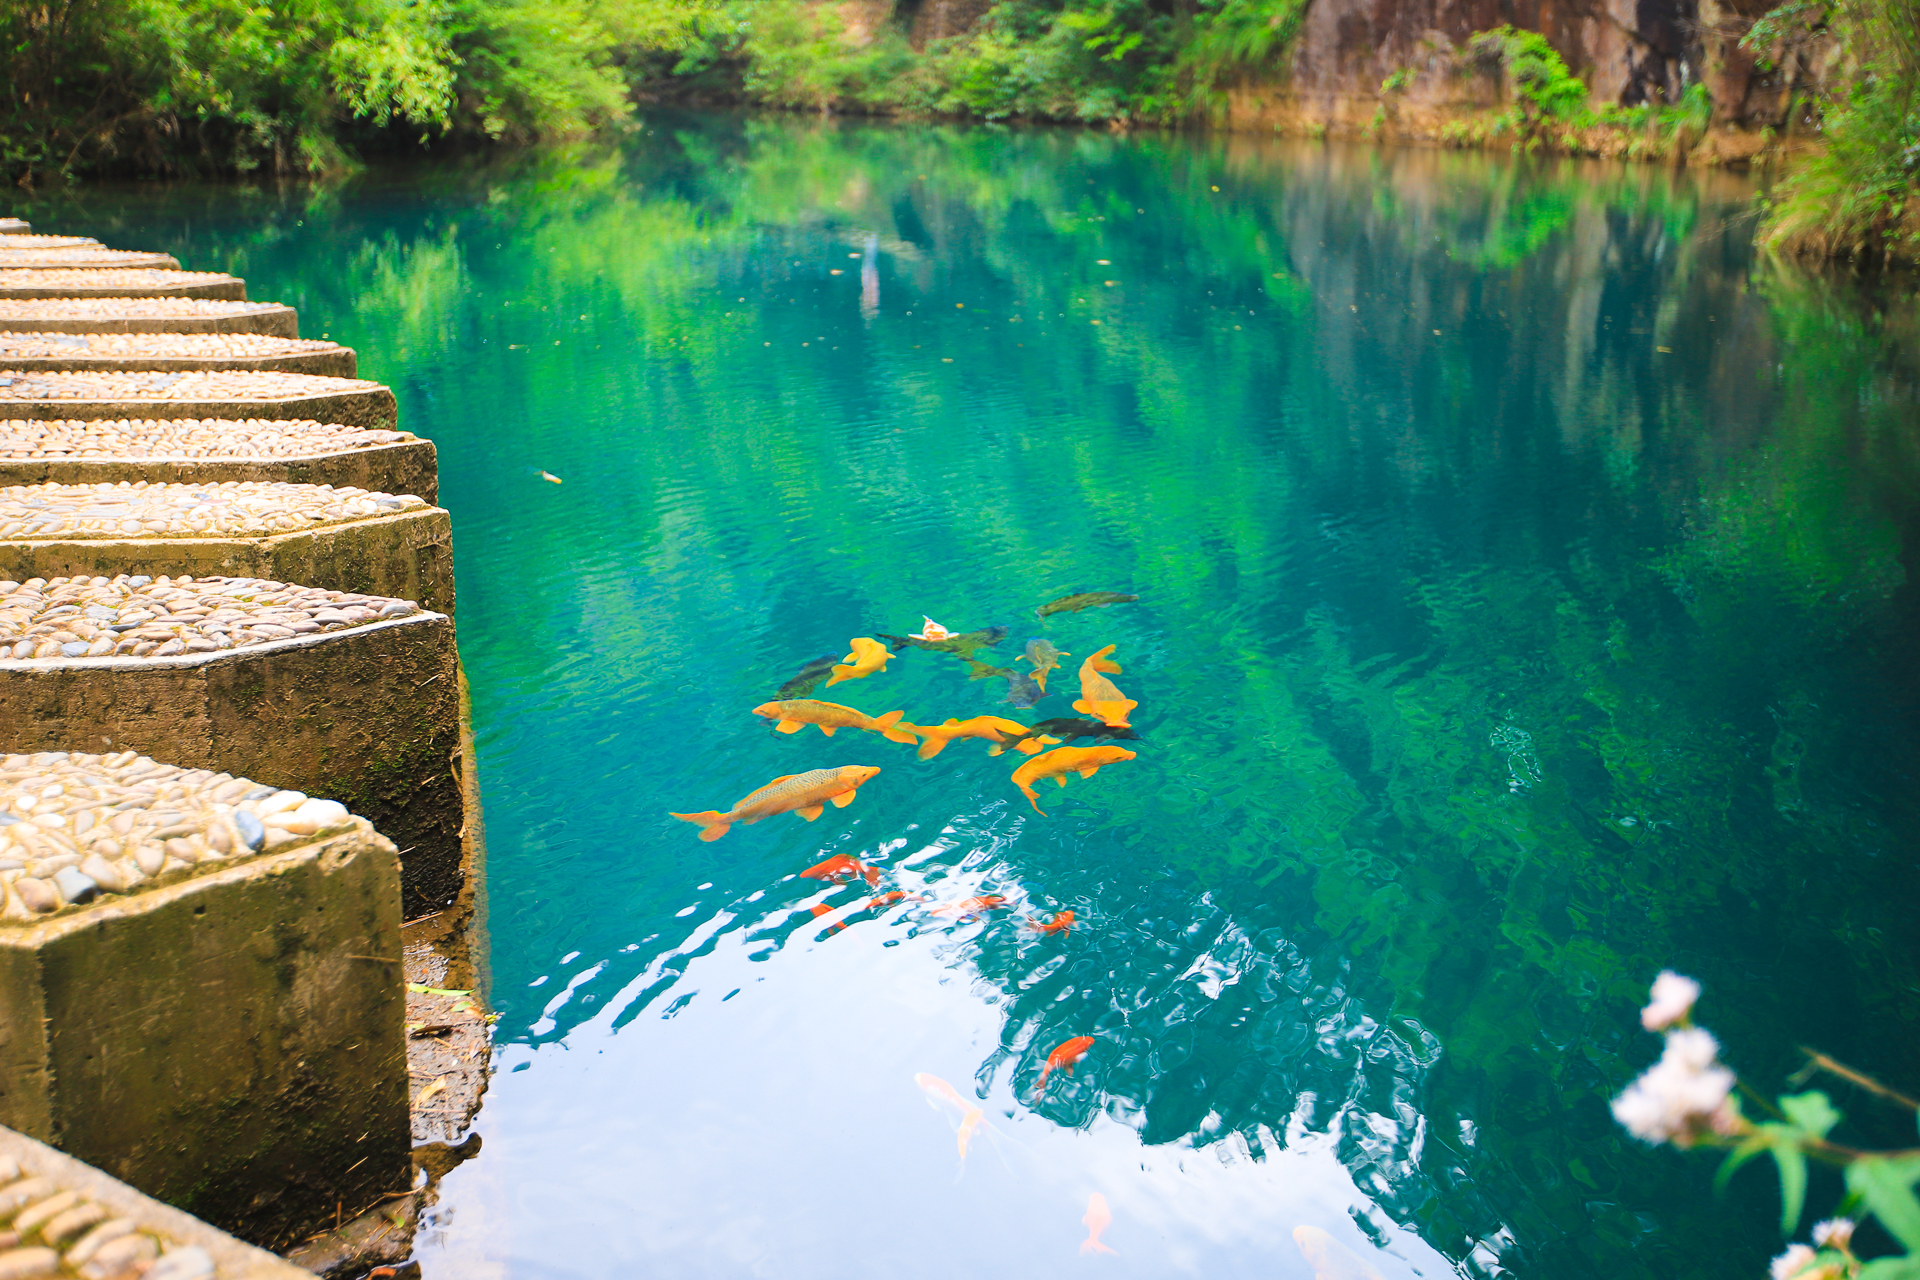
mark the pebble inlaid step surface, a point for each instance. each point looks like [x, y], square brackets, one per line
[228, 393]
[172, 352]
[73, 827]
[83, 256]
[135, 616]
[118, 282]
[247, 509]
[53, 1230]
[147, 315]
[24, 241]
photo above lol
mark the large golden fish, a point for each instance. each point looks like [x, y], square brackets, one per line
[867, 657]
[830, 717]
[994, 729]
[1061, 761]
[1099, 696]
[806, 794]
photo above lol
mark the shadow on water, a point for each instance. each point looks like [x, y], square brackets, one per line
[1525, 607]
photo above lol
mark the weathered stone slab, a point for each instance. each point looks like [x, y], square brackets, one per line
[349, 696]
[172, 352]
[211, 1008]
[111, 1230]
[82, 256]
[146, 315]
[14, 227]
[210, 450]
[341, 539]
[199, 394]
[118, 282]
[23, 241]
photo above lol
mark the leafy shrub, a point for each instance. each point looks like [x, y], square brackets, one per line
[1543, 88]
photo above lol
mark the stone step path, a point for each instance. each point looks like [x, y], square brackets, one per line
[155, 315]
[14, 227]
[81, 256]
[172, 352]
[73, 1222]
[24, 241]
[220, 393]
[210, 450]
[118, 282]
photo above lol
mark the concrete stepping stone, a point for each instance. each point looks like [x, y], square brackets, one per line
[118, 282]
[209, 450]
[172, 352]
[201, 988]
[14, 227]
[146, 315]
[81, 1224]
[344, 539]
[345, 694]
[95, 255]
[214, 393]
[24, 241]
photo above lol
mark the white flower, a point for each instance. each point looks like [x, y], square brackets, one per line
[1682, 1095]
[1673, 998]
[1796, 1259]
[1834, 1233]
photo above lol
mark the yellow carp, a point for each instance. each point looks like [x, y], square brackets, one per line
[868, 656]
[995, 730]
[829, 717]
[804, 793]
[1061, 761]
[1099, 697]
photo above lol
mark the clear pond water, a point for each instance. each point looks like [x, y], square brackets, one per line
[1526, 605]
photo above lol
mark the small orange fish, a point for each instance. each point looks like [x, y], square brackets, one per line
[970, 1125]
[969, 907]
[1099, 697]
[820, 909]
[831, 717]
[867, 657]
[931, 630]
[551, 478]
[938, 1090]
[888, 899]
[1098, 1219]
[1061, 761]
[1064, 1055]
[842, 867]
[1330, 1259]
[804, 793]
[993, 728]
[1061, 922]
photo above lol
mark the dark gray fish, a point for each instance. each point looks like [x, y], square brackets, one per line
[1022, 690]
[809, 676]
[1085, 600]
[960, 646]
[1066, 728]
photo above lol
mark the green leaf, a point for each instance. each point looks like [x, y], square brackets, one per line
[1793, 1184]
[1887, 1187]
[1810, 1112]
[1747, 1150]
[1906, 1268]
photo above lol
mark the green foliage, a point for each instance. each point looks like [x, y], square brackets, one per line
[1542, 86]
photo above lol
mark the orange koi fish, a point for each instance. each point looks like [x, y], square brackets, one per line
[882, 901]
[970, 1125]
[1098, 1219]
[1061, 761]
[1330, 1259]
[1064, 1055]
[1044, 658]
[822, 908]
[1061, 922]
[994, 729]
[931, 630]
[830, 717]
[969, 907]
[938, 1090]
[867, 657]
[806, 794]
[1099, 696]
[842, 867]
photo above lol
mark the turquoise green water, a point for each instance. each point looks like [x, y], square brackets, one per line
[1524, 607]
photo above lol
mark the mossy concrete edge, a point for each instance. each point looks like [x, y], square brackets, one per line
[374, 409]
[410, 467]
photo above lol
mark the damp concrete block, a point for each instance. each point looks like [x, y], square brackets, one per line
[77, 394]
[118, 282]
[162, 315]
[322, 453]
[172, 353]
[15, 227]
[225, 1034]
[368, 715]
[24, 241]
[404, 549]
[104, 1211]
[80, 257]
